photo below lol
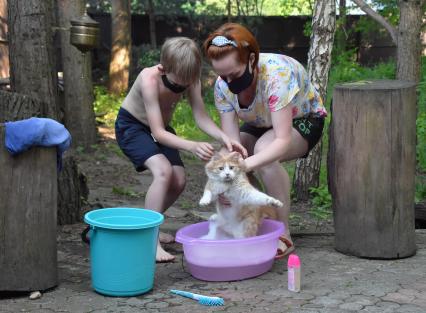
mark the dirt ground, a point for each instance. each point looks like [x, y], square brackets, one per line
[113, 182]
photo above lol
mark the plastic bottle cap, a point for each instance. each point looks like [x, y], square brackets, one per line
[293, 260]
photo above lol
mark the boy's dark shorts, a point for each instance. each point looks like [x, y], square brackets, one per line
[310, 128]
[137, 143]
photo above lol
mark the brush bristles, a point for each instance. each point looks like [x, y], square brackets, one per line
[211, 301]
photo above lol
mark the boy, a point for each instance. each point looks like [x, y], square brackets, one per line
[143, 132]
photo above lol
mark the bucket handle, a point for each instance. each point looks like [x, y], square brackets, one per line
[84, 236]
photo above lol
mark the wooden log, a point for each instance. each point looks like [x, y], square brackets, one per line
[72, 191]
[371, 167]
[28, 196]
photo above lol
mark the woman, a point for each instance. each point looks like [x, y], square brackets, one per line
[282, 112]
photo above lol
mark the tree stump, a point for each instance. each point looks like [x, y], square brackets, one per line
[72, 191]
[28, 195]
[371, 167]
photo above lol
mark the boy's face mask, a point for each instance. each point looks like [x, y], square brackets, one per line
[176, 88]
[241, 83]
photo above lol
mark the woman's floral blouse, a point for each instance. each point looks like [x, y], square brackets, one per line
[281, 81]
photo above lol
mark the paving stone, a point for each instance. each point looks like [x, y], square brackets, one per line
[398, 297]
[157, 305]
[327, 302]
[331, 283]
[351, 306]
[409, 308]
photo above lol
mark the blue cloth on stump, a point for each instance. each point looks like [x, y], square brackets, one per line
[22, 135]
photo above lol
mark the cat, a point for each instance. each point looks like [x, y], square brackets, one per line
[227, 175]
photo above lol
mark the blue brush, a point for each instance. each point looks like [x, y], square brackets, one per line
[204, 300]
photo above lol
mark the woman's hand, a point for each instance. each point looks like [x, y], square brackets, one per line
[202, 150]
[233, 145]
[224, 201]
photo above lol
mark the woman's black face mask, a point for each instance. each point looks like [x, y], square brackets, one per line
[241, 83]
[172, 86]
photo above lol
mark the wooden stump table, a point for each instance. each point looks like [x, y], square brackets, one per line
[371, 167]
[28, 205]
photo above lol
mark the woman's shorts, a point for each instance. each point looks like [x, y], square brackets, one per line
[310, 128]
[138, 144]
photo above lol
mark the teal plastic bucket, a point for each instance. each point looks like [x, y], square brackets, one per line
[123, 245]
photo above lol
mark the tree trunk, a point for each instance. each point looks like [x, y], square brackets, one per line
[341, 34]
[423, 35]
[79, 115]
[319, 60]
[28, 203]
[121, 46]
[152, 29]
[4, 49]
[408, 43]
[32, 56]
[72, 193]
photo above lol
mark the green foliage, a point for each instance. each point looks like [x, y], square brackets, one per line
[420, 195]
[321, 202]
[148, 56]
[296, 7]
[213, 7]
[345, 68]
[421, 120]
[387, 8]
[184, 123]
[106, 105]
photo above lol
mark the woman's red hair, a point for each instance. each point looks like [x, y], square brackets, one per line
[243, 38]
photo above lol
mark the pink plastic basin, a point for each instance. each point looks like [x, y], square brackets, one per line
[232, 259]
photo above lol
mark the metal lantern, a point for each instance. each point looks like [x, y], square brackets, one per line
[84, 33]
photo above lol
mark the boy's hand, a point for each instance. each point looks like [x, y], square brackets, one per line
[233, 145]
[202, 150]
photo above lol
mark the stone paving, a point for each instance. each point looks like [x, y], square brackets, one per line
[331, 282]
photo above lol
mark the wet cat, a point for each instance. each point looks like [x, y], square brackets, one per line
[227, 176]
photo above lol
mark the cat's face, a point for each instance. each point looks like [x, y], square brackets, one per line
[225, 167]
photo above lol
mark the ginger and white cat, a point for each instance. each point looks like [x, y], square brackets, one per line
[227, 176]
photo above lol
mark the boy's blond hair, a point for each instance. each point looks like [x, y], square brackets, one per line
[182, 57]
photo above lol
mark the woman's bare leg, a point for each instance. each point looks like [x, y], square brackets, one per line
[275, 178]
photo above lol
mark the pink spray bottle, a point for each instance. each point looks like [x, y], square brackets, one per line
[293, 266]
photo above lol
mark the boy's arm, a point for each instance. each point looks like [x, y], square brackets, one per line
[155, 120]
[206, 124]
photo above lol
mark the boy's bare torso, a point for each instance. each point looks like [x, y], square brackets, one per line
[167, 100]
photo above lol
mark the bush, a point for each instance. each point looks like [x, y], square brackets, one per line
[106, 105]
[184, 123]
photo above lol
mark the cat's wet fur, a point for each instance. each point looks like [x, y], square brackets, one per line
[227, 176]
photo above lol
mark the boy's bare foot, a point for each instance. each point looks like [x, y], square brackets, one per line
[166, 238]
[162, 255]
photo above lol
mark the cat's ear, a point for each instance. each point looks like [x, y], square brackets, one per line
[236, 156]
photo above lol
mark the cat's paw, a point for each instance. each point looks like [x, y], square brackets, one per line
[205, 200]
[213, 218]
[275, 202]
